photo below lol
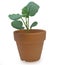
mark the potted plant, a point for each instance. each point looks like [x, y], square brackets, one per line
[29, 41]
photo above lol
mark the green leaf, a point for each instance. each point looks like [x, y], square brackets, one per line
[33, 8]
[15, 16]
[17, 24]
[30, 10]
[25, 12]
[33, 24]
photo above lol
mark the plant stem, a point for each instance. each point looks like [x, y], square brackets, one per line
[24, 23]
[28, 22]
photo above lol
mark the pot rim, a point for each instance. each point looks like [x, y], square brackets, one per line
[31, 31]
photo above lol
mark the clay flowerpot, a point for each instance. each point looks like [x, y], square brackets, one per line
[30, 43]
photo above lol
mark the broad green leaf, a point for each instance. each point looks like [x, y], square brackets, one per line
[30, 10]
[33, 8]
[14, 16]
[17, 24]
[33, 24]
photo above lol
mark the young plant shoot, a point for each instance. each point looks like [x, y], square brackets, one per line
[28, 11]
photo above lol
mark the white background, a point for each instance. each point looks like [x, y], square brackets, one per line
[47, 18]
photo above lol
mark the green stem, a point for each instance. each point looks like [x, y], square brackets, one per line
[24, 23]
[28, 22]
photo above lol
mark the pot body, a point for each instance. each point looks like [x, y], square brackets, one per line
[30, 43]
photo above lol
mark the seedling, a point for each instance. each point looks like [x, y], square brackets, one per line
[28, 11]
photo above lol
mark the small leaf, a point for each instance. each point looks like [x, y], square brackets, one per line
[24, 15]
[17, 24]
[33, 24]
[15, 16]
[25, 12]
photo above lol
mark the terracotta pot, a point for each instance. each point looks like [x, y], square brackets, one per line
[30, 43]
